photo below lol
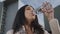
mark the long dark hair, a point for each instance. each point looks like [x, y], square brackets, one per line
[20, 21]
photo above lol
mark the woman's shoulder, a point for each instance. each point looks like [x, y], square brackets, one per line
[46, 32]
[9, 31]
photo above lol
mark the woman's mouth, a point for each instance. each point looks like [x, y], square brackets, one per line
[32, 14]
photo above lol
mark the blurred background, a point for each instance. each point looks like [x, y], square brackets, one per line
[8, 9]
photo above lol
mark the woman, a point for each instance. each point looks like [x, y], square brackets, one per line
[27, 23]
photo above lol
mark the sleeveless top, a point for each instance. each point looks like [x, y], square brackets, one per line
[23, 31]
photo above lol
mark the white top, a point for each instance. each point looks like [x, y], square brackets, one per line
[11, 32]
[53, 25]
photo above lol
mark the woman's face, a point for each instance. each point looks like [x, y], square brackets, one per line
[29, 13]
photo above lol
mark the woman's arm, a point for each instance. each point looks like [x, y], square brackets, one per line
[49, 13]
[54, 25]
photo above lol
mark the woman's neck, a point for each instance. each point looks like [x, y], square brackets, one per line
[28, 22]
[28, 28]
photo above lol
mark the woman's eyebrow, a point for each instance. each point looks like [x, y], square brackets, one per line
[28, 8]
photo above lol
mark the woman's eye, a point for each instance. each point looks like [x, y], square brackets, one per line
[28, 8]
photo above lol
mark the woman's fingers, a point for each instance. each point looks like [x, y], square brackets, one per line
[47, 7]
[48, 10]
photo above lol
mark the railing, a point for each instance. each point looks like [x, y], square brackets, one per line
[2, 18]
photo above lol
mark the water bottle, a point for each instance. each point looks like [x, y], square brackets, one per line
[39, 9]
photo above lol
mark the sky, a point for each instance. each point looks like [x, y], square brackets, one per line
[36, 4]
[2, 0]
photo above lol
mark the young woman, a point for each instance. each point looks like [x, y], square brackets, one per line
[27, 23]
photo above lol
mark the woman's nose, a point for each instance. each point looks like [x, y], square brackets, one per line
[31, 10]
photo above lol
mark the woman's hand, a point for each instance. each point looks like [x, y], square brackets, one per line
[48, 10]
